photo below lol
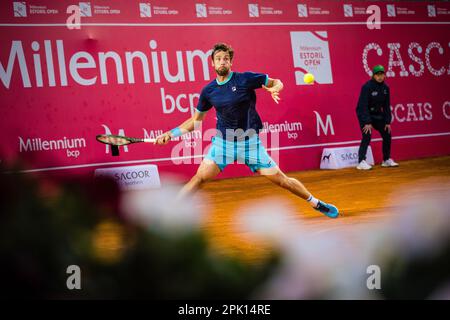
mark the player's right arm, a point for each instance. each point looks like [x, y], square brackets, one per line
[187, 126]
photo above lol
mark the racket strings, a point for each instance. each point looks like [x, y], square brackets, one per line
[113, 140]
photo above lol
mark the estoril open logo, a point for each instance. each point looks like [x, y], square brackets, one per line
[20, 9]
[311, 55]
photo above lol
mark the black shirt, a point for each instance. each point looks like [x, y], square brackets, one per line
[234, 101]
[374, 103]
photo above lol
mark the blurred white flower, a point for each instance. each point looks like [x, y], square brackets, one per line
[442, 293]
[422, 226]
[272, 219]
[327, 265]
[159, 210]
[333, 264]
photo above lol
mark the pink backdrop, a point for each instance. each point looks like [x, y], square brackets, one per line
[51, 114]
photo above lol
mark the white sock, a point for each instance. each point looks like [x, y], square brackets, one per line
[312, 201]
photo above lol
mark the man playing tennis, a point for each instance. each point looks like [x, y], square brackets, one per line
[233, 96]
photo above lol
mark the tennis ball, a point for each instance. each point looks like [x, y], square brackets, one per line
[308, 78]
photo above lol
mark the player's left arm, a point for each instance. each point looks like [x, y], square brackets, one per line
[274, 86]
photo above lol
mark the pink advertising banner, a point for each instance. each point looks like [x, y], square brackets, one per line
[136, 68]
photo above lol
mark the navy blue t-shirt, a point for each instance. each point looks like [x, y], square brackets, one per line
[234, 101]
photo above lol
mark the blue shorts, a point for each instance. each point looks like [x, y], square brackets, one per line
[250, 152]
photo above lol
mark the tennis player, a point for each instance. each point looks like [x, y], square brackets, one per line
[233, 96]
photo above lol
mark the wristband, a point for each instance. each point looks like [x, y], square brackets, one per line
[176, 132]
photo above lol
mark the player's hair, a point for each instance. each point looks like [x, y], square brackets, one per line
[222, 47]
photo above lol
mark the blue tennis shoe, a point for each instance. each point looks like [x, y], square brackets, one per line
[327, 209]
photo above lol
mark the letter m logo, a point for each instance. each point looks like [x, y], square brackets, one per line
[328, 125]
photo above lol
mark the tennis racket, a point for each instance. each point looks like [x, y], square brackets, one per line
[116, 141]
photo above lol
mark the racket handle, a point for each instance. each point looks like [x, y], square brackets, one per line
[115, 150]
[148, 140]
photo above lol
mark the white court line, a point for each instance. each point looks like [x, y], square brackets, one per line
[221, 24]
[108, 163]
[201, 156]
[358, 141]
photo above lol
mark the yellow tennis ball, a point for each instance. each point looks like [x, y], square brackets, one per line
[308, 78]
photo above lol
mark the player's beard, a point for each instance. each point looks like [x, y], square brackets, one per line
[222, 71]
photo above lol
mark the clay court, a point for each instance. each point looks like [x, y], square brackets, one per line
[364, 197]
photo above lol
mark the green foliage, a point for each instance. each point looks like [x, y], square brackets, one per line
[48, 224]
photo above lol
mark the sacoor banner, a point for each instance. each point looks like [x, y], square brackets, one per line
[137, 68]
